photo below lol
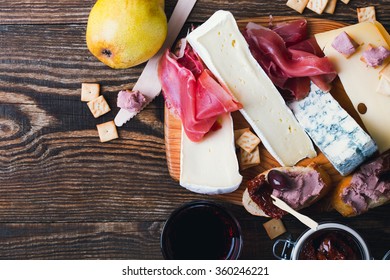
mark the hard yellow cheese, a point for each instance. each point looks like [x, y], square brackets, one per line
[361, 81]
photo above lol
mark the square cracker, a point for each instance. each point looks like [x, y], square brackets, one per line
[98, 106]
[251, 159]
[248, 141]
[317, 6]
[330, 7]
[89, 91]
[297, 5]
[107, 131]
[366, 14]
[239, 132]
[274, 228]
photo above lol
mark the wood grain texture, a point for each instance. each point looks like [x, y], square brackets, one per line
[76, 12]
[65, 195]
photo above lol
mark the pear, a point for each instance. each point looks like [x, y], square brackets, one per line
[125, 33]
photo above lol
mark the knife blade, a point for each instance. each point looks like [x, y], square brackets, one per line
[148, 83]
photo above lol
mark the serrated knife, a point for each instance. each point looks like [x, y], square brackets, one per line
[148, 83]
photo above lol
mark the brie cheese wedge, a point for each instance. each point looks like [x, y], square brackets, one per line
[210, 166]
[225, 52]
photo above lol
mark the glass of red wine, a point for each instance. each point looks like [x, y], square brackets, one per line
[201, 230]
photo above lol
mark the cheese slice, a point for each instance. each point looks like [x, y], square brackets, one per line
[383, 31]
[210, 166]
[224, 50]
[360, 81]
[336, 134]
[383, 86]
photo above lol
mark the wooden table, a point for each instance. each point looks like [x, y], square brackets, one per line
[65, 195]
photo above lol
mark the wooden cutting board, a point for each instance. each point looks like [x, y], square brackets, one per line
[172, 126]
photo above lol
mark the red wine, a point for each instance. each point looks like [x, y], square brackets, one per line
[201, 230]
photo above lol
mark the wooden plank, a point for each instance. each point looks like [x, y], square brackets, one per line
[76, 12]
[173, 125]
[129, 239]
[113, 240]
[64, 195]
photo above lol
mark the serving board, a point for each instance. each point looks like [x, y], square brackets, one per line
[172, 125]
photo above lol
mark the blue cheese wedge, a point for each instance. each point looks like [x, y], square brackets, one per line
[333, 130]
[224, 50]
[210, 166]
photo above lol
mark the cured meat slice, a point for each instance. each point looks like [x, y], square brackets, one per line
[193, 94]
[282, 64]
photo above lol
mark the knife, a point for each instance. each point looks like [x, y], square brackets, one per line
[148, 83]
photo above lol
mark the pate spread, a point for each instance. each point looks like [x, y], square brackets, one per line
[303, 188]
[132, 101]
[369, 184]
[344, 44]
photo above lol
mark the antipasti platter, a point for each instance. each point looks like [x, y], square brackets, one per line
[173, 125]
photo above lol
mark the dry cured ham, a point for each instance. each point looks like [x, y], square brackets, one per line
[289, 61]
[192, 93]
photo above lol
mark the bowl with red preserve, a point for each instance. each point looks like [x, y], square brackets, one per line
[330, 241]
[201, 230]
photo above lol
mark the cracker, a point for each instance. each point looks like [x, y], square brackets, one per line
[274, 228]
[251, 159]
[98, 106]
[297, 5]
[366, 14]
[239, 132]
[329, 9]
[345, 1]
[89, 91]
[248, 141]
[107, 131]
[317, 6]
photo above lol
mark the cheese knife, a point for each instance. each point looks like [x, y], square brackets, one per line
[148, 83]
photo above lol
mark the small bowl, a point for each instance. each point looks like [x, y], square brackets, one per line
[201, 230]
[351, 244]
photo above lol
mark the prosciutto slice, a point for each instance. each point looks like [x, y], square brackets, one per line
[193, 94]
[292, 32]
[290, 68]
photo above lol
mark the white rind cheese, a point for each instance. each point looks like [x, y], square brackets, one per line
[210, 166]
[361, 81]
[224, 50]
[337, 134]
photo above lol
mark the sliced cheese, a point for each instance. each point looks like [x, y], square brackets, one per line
[360, 81]
[224, 50]
[210, 166]
[336, 134]
[383, 31]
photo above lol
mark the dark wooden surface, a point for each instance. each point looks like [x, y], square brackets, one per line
[65, 195]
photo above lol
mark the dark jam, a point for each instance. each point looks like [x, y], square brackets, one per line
[200, 233]
[331, 245]
[260, 192]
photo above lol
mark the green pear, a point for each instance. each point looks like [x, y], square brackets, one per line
[125, 33]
